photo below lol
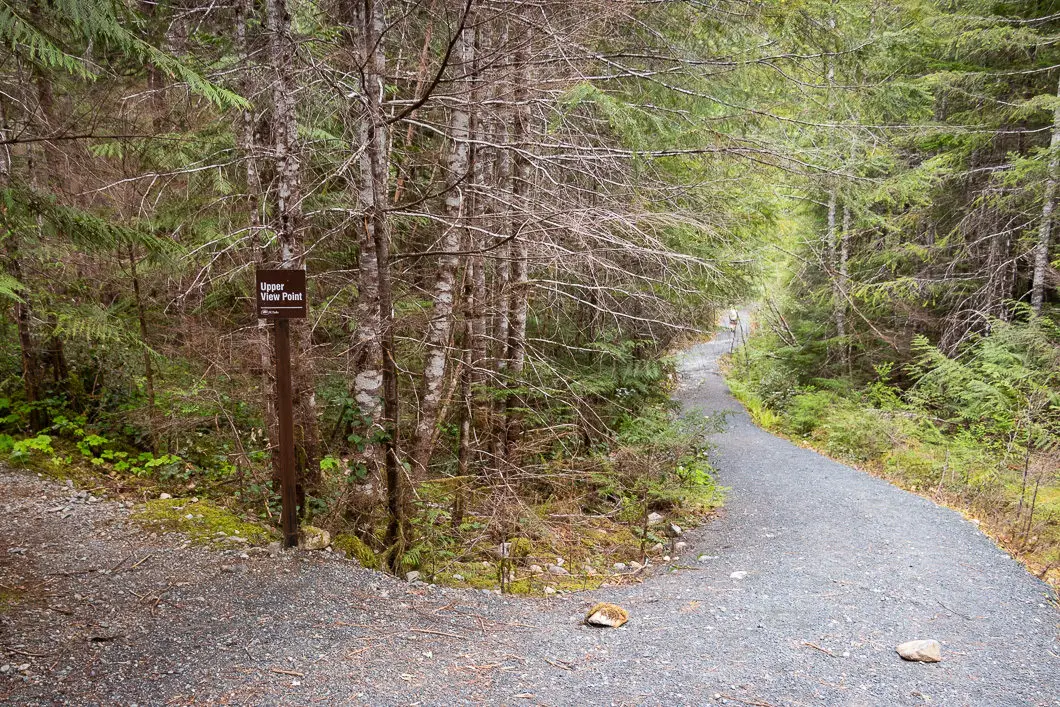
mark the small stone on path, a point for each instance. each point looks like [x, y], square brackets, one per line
[607, 615]
[738, 575]
[923, 651]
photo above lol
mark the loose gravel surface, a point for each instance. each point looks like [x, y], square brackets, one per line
[840, 568]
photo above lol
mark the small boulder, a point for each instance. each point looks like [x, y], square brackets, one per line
[550, 590]
[313, 538]
[164, 496]
[411, 577]
[738, 575]
[607, 615]
[619, 566]
[654, 518]
[556, 569]
[458, 578]
[924, 651]
[680, 546]
[536, 569]
[673, 530]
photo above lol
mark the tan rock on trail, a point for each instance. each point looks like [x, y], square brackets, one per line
[606, 615]
[924, 651]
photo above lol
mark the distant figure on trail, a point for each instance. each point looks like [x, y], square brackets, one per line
[734, 319]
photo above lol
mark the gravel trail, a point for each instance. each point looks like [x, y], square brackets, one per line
[840, 567]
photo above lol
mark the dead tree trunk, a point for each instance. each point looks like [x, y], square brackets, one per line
[149, 374]
[440, 325]
[370, 25]
[367, 389]
[518, 300]
[288, 229]
[1041, 249]
[250, 144]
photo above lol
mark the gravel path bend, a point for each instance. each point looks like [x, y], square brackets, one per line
[840, 567]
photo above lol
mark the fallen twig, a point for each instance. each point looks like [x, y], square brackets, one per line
[817, 647]
[145, 559]
[27, 653]
[281, 671]
[747, 702]
[957, 613]
[438, 633]
[561, 665]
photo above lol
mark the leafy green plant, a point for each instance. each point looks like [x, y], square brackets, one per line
[24, 448]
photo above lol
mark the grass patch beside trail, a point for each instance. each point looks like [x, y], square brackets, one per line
[203, 521]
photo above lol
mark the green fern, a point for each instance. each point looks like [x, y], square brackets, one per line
[55, 39]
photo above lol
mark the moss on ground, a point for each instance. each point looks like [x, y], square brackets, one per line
[204, 522]
[356, 549]
[486, 575]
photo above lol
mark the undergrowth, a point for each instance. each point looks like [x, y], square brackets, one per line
[576, 501]
[977, 431]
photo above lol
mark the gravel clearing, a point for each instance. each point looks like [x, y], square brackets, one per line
[800, 593]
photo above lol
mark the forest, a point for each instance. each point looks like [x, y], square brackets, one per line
[513, 214]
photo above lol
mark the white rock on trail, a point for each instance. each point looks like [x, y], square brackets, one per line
[738, 575]
[654, 518]
[924, 651]
[164, 496]
[607, 615]
[412, 576]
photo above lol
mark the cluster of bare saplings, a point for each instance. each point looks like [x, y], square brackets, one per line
[447, 172]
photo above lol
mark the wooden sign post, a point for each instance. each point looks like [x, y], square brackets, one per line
[281, 295]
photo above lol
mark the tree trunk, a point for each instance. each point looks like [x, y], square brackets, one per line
[288, 229]
[250, 145]
[370, 24]
[149, 374]
[519, 291]
[478, 345]
[502, 179]
[367, 390]
[843, 287]
[440, 325]
[1041, 250]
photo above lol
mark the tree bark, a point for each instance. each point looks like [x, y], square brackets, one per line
[370, 24]
[440, 325]
[1041, 249]
[149, 375]
[519, 292]
[367, 389]
[250, 144]
[843, 287]
[289, 232]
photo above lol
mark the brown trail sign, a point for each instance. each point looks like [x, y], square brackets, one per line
[281, 295]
